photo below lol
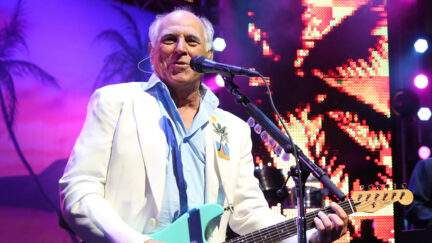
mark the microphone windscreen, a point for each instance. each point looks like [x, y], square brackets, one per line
[196, 62]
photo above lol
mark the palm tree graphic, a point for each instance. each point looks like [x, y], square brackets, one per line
[223, 137]
[11, 39]
[122, 63]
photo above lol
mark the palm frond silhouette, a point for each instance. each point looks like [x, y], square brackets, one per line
[121, 65]
[11, 41]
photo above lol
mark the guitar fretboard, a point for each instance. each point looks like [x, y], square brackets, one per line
[288, 228]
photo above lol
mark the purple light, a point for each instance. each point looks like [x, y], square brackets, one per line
[421, 81]
[424, 113]
[421, 45]
[285, 156]
[424, 152]
[219, 44]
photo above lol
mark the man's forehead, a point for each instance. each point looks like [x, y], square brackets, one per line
[168, 32]
[183, 20]
[183, 16]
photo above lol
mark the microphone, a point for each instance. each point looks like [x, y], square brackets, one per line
[202, 64]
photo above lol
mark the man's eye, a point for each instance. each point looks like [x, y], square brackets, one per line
[193, 42]
[169, 40]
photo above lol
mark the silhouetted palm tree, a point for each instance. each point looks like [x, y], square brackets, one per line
[11, 39]
[122, 63]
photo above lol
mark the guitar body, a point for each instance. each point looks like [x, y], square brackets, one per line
[191, 226]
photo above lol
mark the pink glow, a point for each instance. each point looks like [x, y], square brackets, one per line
[214, 82]
[424, 152]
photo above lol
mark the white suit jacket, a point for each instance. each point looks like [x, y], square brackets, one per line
[113, 184]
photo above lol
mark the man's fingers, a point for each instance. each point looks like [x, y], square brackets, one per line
[326, 221]
[339, 211]
[319, 225]
[330, 227]
[338, 223]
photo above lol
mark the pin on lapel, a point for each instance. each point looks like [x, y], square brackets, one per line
[222, 144]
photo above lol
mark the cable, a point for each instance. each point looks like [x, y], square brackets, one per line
[294, 150]
[139, 63]
[283, 124]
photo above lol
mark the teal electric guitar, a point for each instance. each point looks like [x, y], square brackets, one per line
[191, 227]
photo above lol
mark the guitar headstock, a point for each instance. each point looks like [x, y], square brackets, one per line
[372, 201]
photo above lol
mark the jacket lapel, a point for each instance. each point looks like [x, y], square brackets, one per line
[152, 141]
[212, 180]
[219, 163]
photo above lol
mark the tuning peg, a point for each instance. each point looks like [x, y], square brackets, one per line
[368, 196]
[361, 187]
[370, 187]
[376, 196]
[404, 185]
[387, 186]
[379, 187]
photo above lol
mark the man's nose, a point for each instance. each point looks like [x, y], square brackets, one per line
[181, 46]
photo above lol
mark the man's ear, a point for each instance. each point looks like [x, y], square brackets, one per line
[150, 48]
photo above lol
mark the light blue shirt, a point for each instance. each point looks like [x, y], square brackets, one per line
[191, 145]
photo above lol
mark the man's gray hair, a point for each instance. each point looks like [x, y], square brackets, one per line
[208, 28]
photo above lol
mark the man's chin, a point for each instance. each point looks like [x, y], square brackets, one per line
[185, 78]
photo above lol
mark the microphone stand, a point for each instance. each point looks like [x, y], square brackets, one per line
[303, 169]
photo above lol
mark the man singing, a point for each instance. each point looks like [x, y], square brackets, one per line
[151, 151]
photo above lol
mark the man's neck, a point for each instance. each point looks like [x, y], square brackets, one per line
[187, 101]
[187, 97]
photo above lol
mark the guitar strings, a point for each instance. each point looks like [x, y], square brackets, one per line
[309, 219]
[285, 229]
[290, 225]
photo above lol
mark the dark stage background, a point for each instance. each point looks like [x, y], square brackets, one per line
[327, 62]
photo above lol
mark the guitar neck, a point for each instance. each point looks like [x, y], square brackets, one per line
[286, 229]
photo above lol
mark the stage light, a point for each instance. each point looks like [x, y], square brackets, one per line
[424, 152]
[219, 44]
[213, 81]
[421, 45]
[219, 81]
[421, 81]
[424, 113]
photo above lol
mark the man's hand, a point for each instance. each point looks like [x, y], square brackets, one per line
[330, 227]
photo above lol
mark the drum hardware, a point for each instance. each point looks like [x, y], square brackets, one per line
[272, 179]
